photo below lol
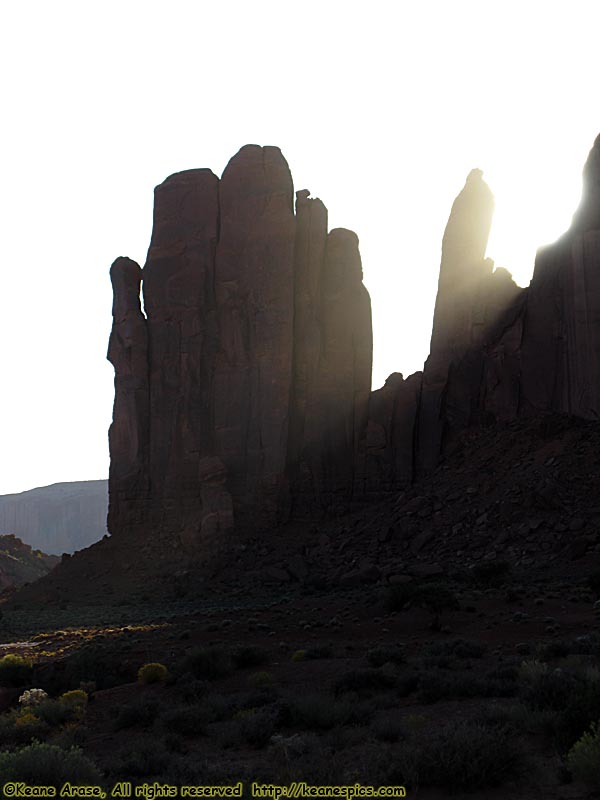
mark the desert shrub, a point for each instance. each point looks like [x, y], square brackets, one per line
[407, 683]
[582, 709]
[298, 655]
[220, 707]
[257, 727]
[260, 679]
[148, 758]
[364, 680]
[435, 685]
[584, 757]
[152, 673]
[593, 582]
[70, 736]
[209, 663]
[249, 656]
[491, 573]
[319, 711]
[443, 654]
[545, 688]
[463, 648]
[47, 765]
[361, 711]
[139, 712]
[502, 681]
[388, 728]
[315, 764]
[466, 756]
[257, 697]
[180, 772]
[18, 728]
[317, 651]
[31, 697]
[15, 670]
[397, 596]
[556, 649]
[55, 713]
[192, 689]
[378, 656]
[434, 596]
[571, 700]
[77, 701]
[186, 720]
[93, 663]
[587, 644]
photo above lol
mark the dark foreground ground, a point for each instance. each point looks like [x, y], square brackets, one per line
[445, 640]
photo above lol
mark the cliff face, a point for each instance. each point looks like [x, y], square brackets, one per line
[241, 394]
[561, 334]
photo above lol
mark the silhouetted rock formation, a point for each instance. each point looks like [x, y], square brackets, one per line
[56, 519]
[336, 390]
[411, 421]
[243, 396]
[386, 463]
[461, 312]
[543, 352]
[128, 353]
[243, 393]
[506, 351]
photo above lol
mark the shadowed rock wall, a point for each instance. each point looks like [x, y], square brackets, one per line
[242, 392]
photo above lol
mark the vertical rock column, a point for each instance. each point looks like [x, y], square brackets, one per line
[247, 385]
[128, 434]
[456, 321]
[309, 255]
[337, 407]
[179, 303]
[254, 288]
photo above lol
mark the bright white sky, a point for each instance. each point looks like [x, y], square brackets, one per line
[381, 109]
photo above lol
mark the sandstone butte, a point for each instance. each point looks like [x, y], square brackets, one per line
[242, 389]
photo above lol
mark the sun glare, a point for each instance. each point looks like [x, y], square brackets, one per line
[536, 215]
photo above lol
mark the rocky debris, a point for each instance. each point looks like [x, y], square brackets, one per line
[484, 510]
[255, 350]
[20, 564]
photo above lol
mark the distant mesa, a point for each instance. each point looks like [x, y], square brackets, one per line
[242, 394]
[60, 518]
